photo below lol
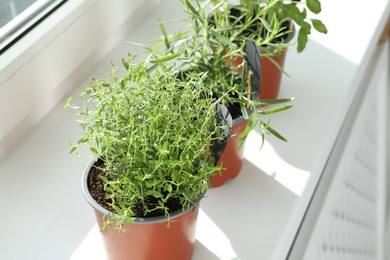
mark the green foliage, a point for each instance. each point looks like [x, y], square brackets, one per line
[202, 47]
[153, 132]
[266, 21]
[154, 124]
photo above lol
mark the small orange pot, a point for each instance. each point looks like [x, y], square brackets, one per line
[272, 76]
[232, 157]
[147, 238]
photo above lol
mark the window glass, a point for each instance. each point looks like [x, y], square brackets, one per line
[18, 17]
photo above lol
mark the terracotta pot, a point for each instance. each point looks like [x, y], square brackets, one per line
[147, 238]
[232, 157]
[272, 76]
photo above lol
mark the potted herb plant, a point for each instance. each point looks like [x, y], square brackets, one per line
[155, 141]
[270, 24]
[201, 47]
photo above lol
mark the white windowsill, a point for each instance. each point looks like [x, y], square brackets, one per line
[44, 215]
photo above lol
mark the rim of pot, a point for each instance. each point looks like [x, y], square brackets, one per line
[102, 210]
[241, 118]
[292, 33]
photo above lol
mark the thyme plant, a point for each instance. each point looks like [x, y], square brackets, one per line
[155, 135]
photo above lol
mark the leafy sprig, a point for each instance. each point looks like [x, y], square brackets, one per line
[203, 48]
[154, 133]
[266, 21]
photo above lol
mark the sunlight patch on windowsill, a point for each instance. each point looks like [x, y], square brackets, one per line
[208, 232]
[91, 247]
[272, 164]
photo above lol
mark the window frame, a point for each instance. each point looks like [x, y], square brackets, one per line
[24, 22]
[42, 68]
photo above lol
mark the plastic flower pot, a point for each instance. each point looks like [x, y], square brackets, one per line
[232, 157]
[271, 75]
[147, 238]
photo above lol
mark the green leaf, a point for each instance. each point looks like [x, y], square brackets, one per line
[302, 41]
[68, 102]
[193, 10]
[74, 148]
[244, 111]
[175, 176]
[250, 126]
[221, 39]
[125, 63]
[303, 36]
[141, 45]
[295, 14]
[304, 14]
[319, 26]
[147, 176]
[139, 67]
[154, 193]
[266, 24]
[165, 58]
[93, 150]
[273, 101]
[314, 6]
[275, 110]
[103, 178]
[275, 133]
[164, 32]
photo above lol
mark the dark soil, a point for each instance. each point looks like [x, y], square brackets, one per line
[96, 189]
[234, 110]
